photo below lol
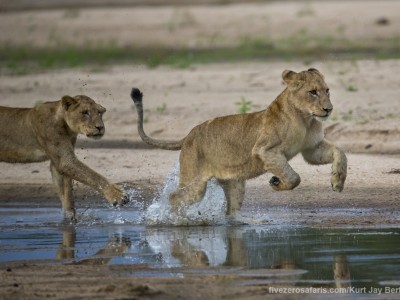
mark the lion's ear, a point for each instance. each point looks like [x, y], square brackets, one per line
[289, 76]
[101, 109]
[316, 71]
[68, 101]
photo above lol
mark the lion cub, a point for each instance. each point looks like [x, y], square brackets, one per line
[239, 147]
[49, 132]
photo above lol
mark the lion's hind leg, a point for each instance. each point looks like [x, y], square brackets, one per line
[193, 178]
[64, 191]
[234, 194]
[187, 193]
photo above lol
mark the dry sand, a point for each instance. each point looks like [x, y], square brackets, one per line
[365, 123]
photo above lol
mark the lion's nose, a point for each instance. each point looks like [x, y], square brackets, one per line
[328, 110]
[100, 128]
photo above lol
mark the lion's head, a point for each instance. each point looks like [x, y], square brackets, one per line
[83, 115]
[310, 91]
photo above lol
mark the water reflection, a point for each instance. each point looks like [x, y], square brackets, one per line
[116, 246]
[283, 256]
[292, 252]
[341, 271]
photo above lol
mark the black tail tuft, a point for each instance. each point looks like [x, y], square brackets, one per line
[136, 95]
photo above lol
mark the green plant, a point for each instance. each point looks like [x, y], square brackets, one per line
[244, 105]
[390, 116]
[38, 102]
[302, 45]
[334, 118]
[351, 88]
[341, 29]
[161, 108]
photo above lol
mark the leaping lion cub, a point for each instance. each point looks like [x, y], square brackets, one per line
[49, 132]
[239, 147]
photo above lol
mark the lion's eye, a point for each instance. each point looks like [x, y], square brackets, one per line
[85, 113]
[313, 92]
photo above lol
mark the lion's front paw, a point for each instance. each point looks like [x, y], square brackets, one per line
[287, 184]
[115, 195]
[275, 182]
[337, 182]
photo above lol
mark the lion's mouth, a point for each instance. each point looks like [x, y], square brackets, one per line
[95, 135]
[322, 118]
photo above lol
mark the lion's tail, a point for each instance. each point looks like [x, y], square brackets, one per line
[137, 97]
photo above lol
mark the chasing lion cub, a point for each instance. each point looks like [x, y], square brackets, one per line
[239, 147]
[48, 132]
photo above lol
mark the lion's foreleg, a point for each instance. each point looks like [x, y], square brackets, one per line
[64, 191]
[276, 163]
[73, 168]
[326, 153]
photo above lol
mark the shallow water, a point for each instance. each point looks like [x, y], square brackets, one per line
[271, 250]
[262, 254]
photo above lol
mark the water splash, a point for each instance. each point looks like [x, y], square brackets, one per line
[110, 215]
[131, 213]
[209, 211]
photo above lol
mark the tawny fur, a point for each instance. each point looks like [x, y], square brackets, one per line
[48, 132]
[239, 147]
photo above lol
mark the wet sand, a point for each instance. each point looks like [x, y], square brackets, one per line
[111, 282]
